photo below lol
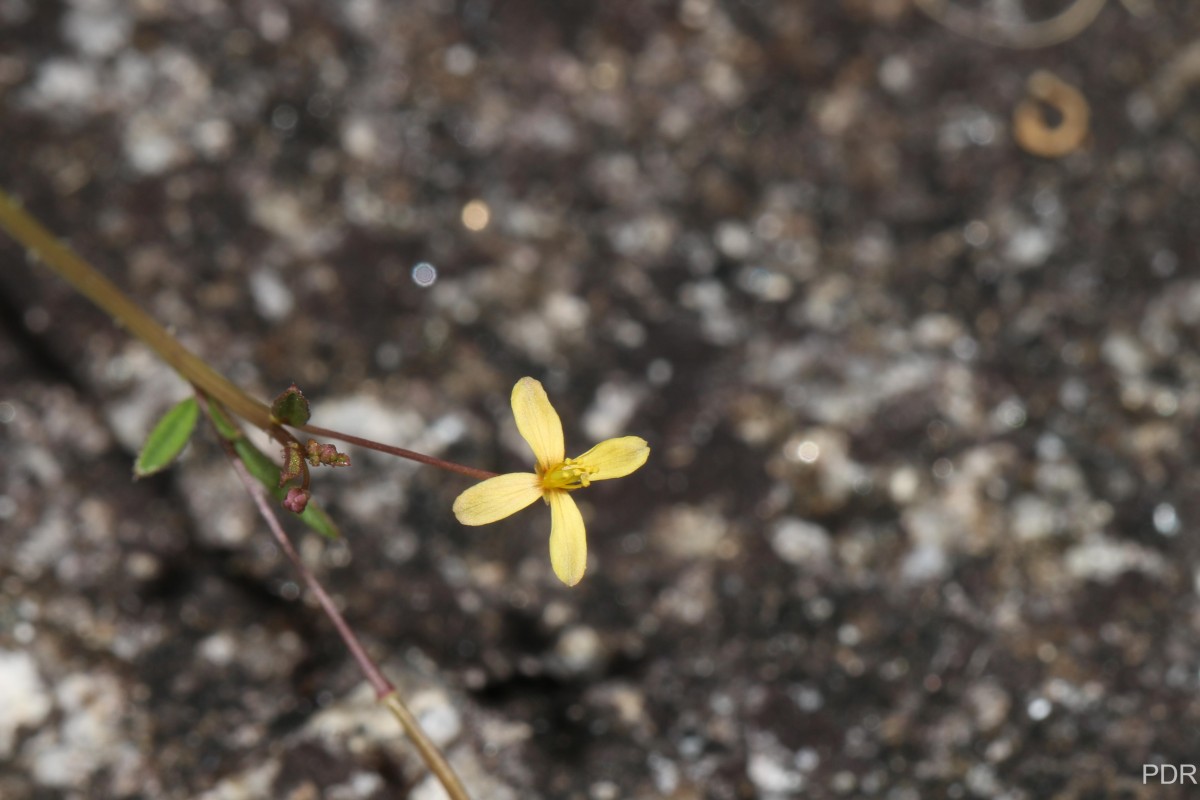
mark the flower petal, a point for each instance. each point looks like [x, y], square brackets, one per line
[615, 458]
[497, 498]
[568, 539]
[538, 422]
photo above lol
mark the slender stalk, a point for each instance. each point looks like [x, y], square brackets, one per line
[41, 244]
[411, 455]
[384, 690]
[433, 757]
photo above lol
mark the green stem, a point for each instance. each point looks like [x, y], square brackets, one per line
[429, 753]
[41, 244]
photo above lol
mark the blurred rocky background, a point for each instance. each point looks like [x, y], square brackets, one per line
[920, 515]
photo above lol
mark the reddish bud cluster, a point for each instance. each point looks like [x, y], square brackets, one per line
[326, 454]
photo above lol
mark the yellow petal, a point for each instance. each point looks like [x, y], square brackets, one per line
[615, 458]
[568, 539]
[538, 422]
[497, 498]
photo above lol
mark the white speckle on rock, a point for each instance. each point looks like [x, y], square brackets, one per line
[459, 60]
[925, 562]
[565, 312]
[213, 137]
[896, 74]
[371, 500]
[150, 146]
[544, 128]
[219, 649]
[801, 543]
[290, 218]
[89, 738]
[807, 759]
[272, 298]
[580, 650]
[1166, 519]
[22, 696]
[773, 777]
[1033, 518]
[664, 772]
[982, 782]
[437, 715]
[645, 236]
[44, 544]
[447, 429]
[1125, 354]
[365, 784]
[1029, 247]
[937, 330]
[989, 703]
[97, 29]
[709, 299]
[689, 531]
[903, 485]
[660, 372]
[64, 83]
[770, 768]
[611, 410]
[359, 138]
[734, 240]
[933, 523]
[252, 784]
[1038, 709]
[764, 284]
[354, 722]
[1102, 559]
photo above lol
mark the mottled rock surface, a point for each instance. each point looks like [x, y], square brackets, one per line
[920, 518]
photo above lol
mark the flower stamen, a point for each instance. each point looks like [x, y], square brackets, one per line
[569, 475]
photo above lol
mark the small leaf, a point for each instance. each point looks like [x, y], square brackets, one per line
[315, 517]
[167, 439]
[228, 430]
[267, 473]
[290, 407]
[259, 465]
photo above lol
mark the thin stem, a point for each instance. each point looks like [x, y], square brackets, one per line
[384, 690]
[41, 244]
[433, 757]
[411, 455]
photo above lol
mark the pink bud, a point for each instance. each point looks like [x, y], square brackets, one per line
[296, 500]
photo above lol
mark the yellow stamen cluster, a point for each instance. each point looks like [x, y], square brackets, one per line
[570, 474]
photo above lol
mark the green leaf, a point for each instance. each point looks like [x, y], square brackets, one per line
[257, 462]
[167, 439]
[315, 517]
[267, 473]
[228, 430]
[290, 407]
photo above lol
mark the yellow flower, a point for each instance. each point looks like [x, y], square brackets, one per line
[553, 481]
